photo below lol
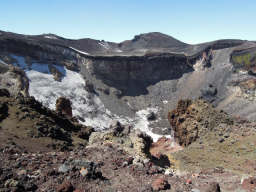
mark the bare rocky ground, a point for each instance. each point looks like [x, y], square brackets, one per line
[219, 157]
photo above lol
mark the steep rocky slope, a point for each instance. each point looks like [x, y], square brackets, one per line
[33, 127]
[222, 158]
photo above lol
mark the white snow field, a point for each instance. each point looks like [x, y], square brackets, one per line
[86, 105]
[79, 51]
[50, 37]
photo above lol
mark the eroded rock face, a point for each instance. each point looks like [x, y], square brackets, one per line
[134, 142]
[63, 106]
[124, 73]
[193, 119]
[245, 58]
[15, 81]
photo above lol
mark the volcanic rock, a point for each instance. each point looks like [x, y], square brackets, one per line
[66, 186]
[249, 184]
[151, 116]
[3, 110]
[117, 127]
[89, 86]
[193, 119]
[63, 106]
[134, 142]
[160, 184]
[4, 93]
[162, 149]
[213, 187]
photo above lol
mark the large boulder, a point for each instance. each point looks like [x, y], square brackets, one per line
[63, 106]
[4, 93]
[3, 111]
[194, 119]
[160, 184]
[89, 86]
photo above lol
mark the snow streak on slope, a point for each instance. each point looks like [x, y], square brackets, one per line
[104, 45]
[50, 37]
[79, 51]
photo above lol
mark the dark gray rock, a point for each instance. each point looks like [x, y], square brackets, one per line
[151, 116]
[213, 187]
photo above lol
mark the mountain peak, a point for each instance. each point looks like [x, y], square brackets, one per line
[151, 40]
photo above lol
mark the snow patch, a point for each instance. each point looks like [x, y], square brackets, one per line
[104, 45]
[199, 65]
[141, 122]
[243, 72]
[79, 51]
[50, 37]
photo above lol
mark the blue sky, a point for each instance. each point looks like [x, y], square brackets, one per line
[191, 21]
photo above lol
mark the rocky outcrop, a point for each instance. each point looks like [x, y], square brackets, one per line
[164, 146]
[63, 106]
[89, 86]
[244, 58]
[135, 142]
[57, 75]
[160, 184]
[194, 119]
[15, 81]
